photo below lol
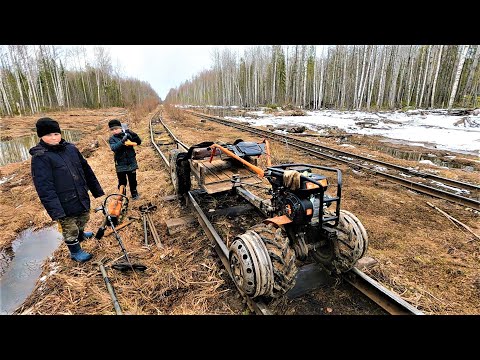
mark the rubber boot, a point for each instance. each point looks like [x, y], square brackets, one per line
[85, 236]
[135, 195]
[76, 252]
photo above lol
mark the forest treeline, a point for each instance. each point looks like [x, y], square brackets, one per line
[356, 77]
[36, 78]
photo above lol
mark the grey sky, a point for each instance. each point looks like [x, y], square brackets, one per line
[163, 66]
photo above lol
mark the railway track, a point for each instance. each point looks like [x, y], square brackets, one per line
[164, 140]
[459, 192]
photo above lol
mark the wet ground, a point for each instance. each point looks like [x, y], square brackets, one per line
[421, 255]
[22, 266]
[16, 150]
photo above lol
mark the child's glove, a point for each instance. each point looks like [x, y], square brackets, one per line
[130, 143]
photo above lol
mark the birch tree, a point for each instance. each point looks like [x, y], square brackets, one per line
[432, 100]
[463, 52]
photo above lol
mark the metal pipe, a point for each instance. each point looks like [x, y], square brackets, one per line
[256, 169]
[154, 232]
[145, 228]
[111, 290]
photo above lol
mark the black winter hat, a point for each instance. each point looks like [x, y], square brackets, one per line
[114, 123]
[46, 126]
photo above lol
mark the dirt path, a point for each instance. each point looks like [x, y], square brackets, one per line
[420, 254]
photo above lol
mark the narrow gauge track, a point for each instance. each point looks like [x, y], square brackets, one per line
[448, 189]
[164, 140]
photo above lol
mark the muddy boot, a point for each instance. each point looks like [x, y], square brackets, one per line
[135, 195]
[76, 252]
[85, 235]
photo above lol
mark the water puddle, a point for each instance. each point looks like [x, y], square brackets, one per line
[223, 112]
[419, 156]
[30, 250]
[16, 150]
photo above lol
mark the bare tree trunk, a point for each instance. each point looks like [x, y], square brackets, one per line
[320, 92]
[305, 68]
[356, 76]
[274, 74]
[382, 79]
[370, 92]
[432, 100]
[344, 80]
[471, 75]
[365, 79]
[425, 76]
[315, 106]
[359, 99]
[410, 72]
[5, 99]
[418, 82]
[461, 60]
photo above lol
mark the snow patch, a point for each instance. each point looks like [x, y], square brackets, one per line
[427, 162]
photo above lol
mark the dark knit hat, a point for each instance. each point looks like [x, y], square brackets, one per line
[114, 123]
[46, 126]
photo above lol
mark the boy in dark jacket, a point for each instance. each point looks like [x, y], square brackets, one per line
[121, 143]
[62, 178]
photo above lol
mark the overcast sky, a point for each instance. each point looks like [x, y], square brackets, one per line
[163, 66]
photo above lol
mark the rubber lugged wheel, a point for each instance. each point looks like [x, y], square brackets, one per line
[362, 230]
[281, 255]
[351, 243]
[179, 172]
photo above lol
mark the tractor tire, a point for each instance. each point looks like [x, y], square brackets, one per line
[362, 230]
[281, 255]
[351, 244]
[179, 172]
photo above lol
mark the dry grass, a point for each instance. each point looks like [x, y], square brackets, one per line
[420, 254]
[183, 278]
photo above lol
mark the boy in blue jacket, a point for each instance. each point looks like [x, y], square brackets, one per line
[124, 155]
[62, 178]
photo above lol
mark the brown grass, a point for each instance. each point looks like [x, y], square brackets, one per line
[420, 254]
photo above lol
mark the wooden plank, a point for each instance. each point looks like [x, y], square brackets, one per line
[251, 180]
[119, 227]
[209, 176]
[165, 143]
[169, 197]
[248, 180]
[200, 172]
[213, 170]
[218, 165]
[217, 187]
[178, 224]
[230, 172]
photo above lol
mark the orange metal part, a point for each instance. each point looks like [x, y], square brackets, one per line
[115, 206]
[278, 220]
[252, 167]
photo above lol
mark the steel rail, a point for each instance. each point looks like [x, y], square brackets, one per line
[222, 251]
[220, 247]
[386, 299]
[464, 185]
[417, 186]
